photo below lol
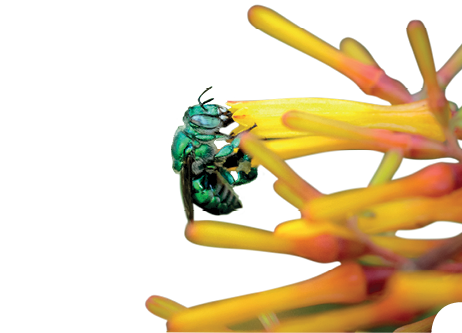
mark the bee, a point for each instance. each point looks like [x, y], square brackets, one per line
[205, 178]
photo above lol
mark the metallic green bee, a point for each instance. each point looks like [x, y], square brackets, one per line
[205, 179]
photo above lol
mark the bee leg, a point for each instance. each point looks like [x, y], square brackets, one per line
[245, 172]
[245, 178]
[227, 176]
[228, 150]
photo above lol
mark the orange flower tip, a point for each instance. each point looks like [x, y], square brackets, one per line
[441, 178]
[163, 307]
[415, 24]
[190, 231]
[241, 116]
[151, 300]
[289, 118]
[236, 105]
[255, 10]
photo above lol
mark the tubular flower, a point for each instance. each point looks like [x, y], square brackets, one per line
[267, 115]
[412, 213]
[423, 54]
[383, 281]
[415, 146]
[370, 78]
[316, 125]
[411, 147]
[321, 243]
[345, 284]
[433, 181]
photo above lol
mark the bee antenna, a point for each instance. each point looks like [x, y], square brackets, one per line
[211, 99]
[202, 103]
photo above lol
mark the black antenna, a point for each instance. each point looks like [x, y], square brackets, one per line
[202, 103]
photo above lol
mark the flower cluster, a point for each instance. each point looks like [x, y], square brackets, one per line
[382, 279]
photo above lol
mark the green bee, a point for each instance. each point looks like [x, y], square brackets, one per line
[205, 179]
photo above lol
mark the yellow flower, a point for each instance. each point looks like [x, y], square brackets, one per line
[421, 46]
[303, 126]
[412, 276]
[433, 181]
[412, 213]
[368, 76]
[345, 284]
[413, 118]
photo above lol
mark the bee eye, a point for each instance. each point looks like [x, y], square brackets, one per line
[206, 121]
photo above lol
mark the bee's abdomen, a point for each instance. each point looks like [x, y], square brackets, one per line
[213, 194]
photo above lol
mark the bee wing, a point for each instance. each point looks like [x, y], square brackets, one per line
[186, 187]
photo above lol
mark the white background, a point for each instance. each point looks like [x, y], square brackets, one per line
[91, 93]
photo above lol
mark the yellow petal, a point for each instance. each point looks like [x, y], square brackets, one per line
[312, 123]
[414, 118]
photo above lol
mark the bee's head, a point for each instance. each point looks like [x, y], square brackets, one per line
[207, 117]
